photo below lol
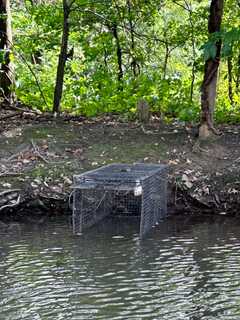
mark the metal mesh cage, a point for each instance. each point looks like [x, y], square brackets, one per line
[120, 189]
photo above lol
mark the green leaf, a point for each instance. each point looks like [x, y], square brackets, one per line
[227, 50]
[210, 50]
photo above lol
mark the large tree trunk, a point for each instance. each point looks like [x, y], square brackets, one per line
[6, 73]
[62, 59]
[209, 85]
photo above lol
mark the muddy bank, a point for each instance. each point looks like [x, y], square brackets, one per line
[38, 158]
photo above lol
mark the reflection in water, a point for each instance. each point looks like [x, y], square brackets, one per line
[184, 270]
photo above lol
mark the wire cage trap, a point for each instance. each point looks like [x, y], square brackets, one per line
[120, 189]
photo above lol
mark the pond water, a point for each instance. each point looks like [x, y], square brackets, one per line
[186, 269]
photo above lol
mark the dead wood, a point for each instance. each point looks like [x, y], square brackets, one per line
[8, 198]
[11, 205]
[37, 152]
[9, 116]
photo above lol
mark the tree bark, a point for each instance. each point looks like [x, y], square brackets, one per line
[193, 54]
[119, 52]
[62, 59]
[134, 65]
[230, 80]
[209, 85]
[166, 58]
[238, 76]
[7, 72]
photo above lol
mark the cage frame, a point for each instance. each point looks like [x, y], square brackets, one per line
[139, 177]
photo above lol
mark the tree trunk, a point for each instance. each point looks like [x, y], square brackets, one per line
[230, 80]
[62, 59]
[209, 85]
[119, 52]
[134, 65]
[193, 54]
[7, 72]
[166, 58]
[238, 76]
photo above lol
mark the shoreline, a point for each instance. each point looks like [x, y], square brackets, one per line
[39, 157]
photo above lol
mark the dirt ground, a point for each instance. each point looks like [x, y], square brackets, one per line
[39, 156]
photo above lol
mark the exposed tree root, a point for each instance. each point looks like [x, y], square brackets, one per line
[9, 199]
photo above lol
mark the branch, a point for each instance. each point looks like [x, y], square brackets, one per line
[36, 151]
[11, 116]
[27, 110]
[187, 8]
[3, 193]
[9, 174]
[71, 3]
[12, 205]
[29, 67]
[15, 155]
[35, 77]
[109, 21]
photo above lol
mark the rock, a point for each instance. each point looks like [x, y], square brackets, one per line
[37, 204]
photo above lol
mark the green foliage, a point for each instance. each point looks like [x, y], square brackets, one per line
[228, 38]
[166, 45]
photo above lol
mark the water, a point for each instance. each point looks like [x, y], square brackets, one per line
[186, 269]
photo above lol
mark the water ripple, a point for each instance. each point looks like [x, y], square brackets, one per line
[178, 273]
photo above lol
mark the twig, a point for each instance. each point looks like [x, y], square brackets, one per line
[36, 150]
[24, 110]
[7, 174]
[109, 22]
[196, 147]
[11, 205]
[148, 131]
[3, 193]
[11, 116]
[53, 198]
[21, 55]
[15, 155]
[35, 77]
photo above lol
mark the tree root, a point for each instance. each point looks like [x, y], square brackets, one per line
[214, 130]
[8, 200]
[206, 128]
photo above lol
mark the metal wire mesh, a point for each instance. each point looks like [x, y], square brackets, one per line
[119, 189]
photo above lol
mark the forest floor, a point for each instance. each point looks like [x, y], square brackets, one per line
[39, 156]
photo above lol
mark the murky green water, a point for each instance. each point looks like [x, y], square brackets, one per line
[186, 269]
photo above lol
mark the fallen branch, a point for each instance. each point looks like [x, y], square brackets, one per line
[53, 198]
[10, 174]
[12, 204]
[37, 152]
[27, 110]
[3, 193]
[11, 116]
[15, 155]
[148, 131]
